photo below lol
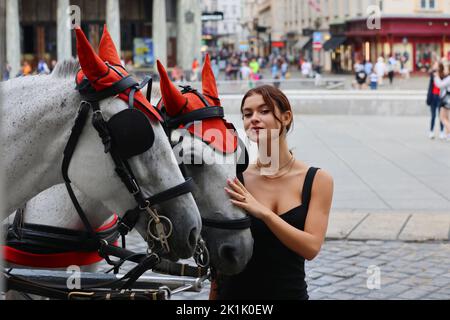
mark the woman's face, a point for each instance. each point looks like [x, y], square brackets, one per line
[258, 116]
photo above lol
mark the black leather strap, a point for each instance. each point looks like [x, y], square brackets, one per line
[116, 88]
[77, 128]
[236, 224]
[41, 239]
[196, 115]
[179, 269]
[186, 187]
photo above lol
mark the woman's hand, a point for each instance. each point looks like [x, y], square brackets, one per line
[241, 198]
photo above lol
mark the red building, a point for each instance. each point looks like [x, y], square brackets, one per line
[418, 40]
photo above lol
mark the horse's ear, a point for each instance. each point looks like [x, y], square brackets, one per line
[91, 64]
[107, 50]
[172, 97]
[209, 86]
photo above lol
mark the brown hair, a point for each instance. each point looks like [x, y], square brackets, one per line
[441, 70]
[272, 97]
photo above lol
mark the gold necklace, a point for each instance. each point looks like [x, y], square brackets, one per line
[290, 162]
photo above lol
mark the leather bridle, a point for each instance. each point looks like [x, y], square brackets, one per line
[208, 112]
[91, 101]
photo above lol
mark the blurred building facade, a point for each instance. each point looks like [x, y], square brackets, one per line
[225, 33]
[38, 28]
[337, 33]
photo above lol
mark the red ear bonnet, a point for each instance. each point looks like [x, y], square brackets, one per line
[101, 75]
[209, 86]
[173, 100]
[215, 131]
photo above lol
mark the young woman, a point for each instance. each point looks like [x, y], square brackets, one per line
[434, 101]
[289, 208]
[442, 81]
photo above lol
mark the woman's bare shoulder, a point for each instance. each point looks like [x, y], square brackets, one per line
[323, 181]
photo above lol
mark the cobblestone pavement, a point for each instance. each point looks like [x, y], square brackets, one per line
[347, 269]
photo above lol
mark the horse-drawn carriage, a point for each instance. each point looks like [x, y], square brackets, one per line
[134, 160]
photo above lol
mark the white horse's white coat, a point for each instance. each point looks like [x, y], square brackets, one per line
[36, 119]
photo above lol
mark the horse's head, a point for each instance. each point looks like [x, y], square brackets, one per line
[135, 160]
[209, 150]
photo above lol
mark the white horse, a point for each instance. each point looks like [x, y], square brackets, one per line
[230, 249]
[36, 121]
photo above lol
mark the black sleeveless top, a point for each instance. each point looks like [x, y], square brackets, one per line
[274, 272]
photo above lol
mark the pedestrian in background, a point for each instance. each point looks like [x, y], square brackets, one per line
[442, 81]
[42, 67]
[373, 78]
[360, 75]
[380, 69]
[392, 62]
[7, 72]
[195, 66]
[434, 101]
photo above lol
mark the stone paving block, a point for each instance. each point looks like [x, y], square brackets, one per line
[319, 283]
[358, 291]
[330, 279]
[349, 253]
[325, 270]
[342, 296]
[395, 289]
[313, 275]
[413, 294]
[386, 280]
[378, 295]
[370, 253]
[344, 273]
[317, 296]
[437, 296]
[342, 223]
[380, 226]
[426, 226]
[376, 243]
[329, 289]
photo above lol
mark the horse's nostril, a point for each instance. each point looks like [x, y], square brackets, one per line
[193, 237]
[228, 253]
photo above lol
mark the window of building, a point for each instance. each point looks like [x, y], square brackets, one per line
[336, 8]
[346, 8]
[428, 4]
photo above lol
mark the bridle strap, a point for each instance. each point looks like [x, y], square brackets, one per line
[185, 187]
[80, 122]
[118, 87]
[77, 128]
[131, 217]
[208, 112]
[236, 224]
[196, 115]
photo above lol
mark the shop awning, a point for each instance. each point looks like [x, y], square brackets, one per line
[333, 43]
[302, 42]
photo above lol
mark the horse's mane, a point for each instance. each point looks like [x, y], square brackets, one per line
[66, 68]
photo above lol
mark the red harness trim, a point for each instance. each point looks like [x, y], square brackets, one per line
[55, 260]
